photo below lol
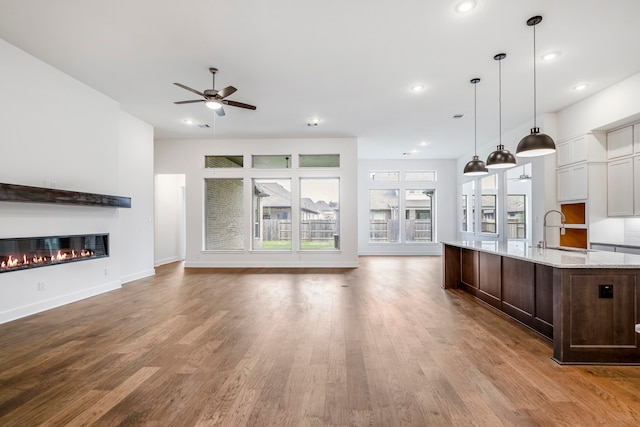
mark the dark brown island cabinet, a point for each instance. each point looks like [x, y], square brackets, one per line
[586, 302]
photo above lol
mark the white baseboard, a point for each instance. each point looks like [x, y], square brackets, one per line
[136, 276]
[226, 264]
[169, 260]
[40, 306]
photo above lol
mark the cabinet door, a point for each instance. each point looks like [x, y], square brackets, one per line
[579, 182]
[620, 142]
[636, 138]
[636, 185]
[563, 184]
[563, 153]
[571, 151]
[579, 149]
[619, 187]
[572, 183]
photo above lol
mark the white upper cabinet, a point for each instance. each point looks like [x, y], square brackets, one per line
[636, 185]
[620, 142]
[636, 139]
[620, 187]
[572, 183]
[588, 147]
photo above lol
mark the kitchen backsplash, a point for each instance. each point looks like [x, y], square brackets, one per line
[632, 231]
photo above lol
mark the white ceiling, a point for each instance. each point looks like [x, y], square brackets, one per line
[348, 62]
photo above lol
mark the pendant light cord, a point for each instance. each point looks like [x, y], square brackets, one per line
[475, 119]
[534, 78]
[500, 102]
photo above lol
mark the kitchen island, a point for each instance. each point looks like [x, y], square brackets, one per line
[586, 302]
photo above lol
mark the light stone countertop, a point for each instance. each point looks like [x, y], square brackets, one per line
[553, 257]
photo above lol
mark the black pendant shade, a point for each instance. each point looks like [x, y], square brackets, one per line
[501, 158]
[475, 166]
[535, 144]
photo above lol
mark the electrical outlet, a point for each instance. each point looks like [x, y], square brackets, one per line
[106, 271]
[41, 286]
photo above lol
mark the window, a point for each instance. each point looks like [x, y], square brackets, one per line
[383, 216]
[223, 161]
[488, 214]
[418, 215]
[420, 176]
[272, 214]
[271, 162]
[516, 216]
[465, 208]
[224, 214]
[488, 204]
[384, 176]
[468, 207]
[519, 190]
[319, 213]
[319, 160]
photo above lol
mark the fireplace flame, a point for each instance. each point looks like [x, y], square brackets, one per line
[16, 262]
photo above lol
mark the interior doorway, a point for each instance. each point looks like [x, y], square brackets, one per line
[170, 218]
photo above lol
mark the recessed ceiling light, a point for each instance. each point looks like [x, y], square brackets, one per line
[581, 86]
[465, 6]
[188, 122]
[417, 87]
[424, 143]
[550, 56]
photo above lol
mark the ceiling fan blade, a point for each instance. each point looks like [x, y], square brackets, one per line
[238, 104]
[220, 111]
[190, 90]
[189, 102]
[226, 92]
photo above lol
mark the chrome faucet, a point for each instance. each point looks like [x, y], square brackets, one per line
[563, 219]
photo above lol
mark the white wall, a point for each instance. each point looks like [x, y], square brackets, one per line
[187, 157]
[135, 161]
[71, 142]
[445, 204]
[169, 218]
[612, 107]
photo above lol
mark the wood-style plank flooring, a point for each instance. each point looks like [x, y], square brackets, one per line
[381, 345]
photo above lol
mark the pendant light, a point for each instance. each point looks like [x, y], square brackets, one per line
[501, 158]
[535, 144]
[475, 166]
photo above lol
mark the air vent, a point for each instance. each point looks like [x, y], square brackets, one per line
[458, 116]
[204, 126]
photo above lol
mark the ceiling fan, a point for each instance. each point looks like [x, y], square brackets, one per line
[523, 177]
[213, 98]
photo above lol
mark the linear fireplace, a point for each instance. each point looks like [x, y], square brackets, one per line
[31, 252]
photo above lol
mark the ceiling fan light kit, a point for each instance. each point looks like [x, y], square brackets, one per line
[536, 143]
[213, 104]
[215, 99]
[475, 166]
[500, 158]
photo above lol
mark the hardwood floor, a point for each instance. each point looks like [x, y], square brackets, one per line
[381, 345]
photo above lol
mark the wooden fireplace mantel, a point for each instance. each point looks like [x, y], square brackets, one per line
[28, 194]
